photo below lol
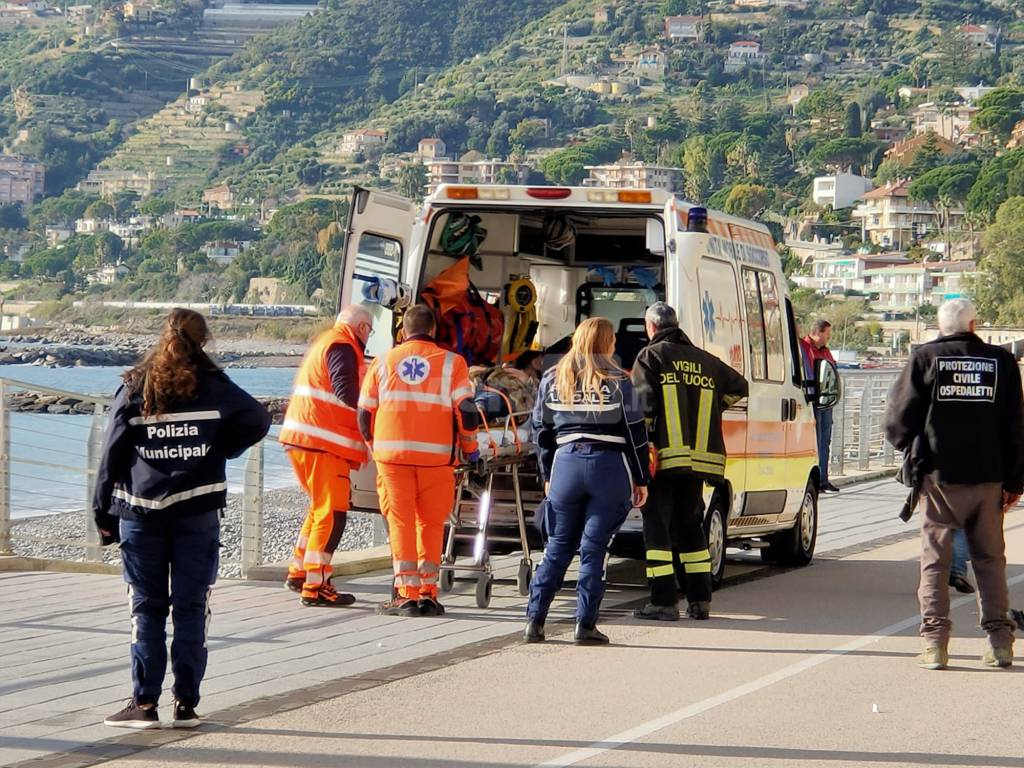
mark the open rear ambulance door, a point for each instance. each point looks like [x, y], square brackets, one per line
[377, 240]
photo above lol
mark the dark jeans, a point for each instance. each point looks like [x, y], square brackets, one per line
[590, 496]
[677, 548]
[182, 553]
[823, 426]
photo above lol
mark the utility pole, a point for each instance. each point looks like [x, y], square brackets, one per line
[565, 47]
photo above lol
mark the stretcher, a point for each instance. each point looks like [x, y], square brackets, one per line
[490, 488]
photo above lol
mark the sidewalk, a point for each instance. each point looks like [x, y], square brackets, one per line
[66, 635]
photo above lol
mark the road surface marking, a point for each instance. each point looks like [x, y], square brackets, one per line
[674, 718]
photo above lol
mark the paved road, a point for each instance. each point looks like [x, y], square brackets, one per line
[64, 664]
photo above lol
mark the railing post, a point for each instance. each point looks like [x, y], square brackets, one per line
[252, 510]
[837, 451]
[5, 473]
[864, 433]
[93, 451]
[888, 452]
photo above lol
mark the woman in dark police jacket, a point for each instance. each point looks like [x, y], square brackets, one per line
[592, 446]
[160, 491]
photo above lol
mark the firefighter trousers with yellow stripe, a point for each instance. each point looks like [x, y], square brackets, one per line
[677, 549]
[325, 477]
[416, 501]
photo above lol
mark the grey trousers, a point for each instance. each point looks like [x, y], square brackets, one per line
[978, 510]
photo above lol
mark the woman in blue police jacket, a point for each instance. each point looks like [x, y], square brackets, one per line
[160, 490]
[592, 446]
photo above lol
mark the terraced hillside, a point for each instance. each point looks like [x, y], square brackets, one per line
[185, 140]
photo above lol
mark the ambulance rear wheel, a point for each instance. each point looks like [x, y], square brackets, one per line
[483, 590]
[715, 532]
[447, 580]
[524, 577]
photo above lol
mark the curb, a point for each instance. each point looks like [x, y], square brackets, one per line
[876, 474]
[31, 564]
[351, 563]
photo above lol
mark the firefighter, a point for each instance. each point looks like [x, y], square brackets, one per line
[416, 411]
[684, 390]
[322, 439]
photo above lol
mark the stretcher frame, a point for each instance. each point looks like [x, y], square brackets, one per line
[504, 460]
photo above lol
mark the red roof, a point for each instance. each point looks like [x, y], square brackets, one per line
[972, 29]
[900, 189]
[430, 141]
[746, 44]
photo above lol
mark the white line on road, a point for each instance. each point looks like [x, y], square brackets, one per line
[674, 718]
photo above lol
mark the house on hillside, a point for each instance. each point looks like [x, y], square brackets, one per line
[838, 273]
[971, 93]
[109, 182]
[431, 149]
[368, 142]
[223, 251]
[108, 275]
[887, 132]
[473, 168]
[91, 226]
[221, 197]
[23, 180]
[651, 63]
[741, 53]
[979, 36]
[1016, 136]
[841, 190]
[33, 6]
[57, 234]
[684, 28]
[138, 12]
[630, 174]
[890, 219]
[604, 15]
[903, 154]
[950, 121]
[905, 287]
[797, 93]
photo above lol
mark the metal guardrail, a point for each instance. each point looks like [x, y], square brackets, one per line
[48, 462]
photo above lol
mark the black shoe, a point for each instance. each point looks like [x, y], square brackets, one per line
[400, 606]
[294, 584]
[1017, 616]
[589, 636]
[829, 488]
[428, 606]
[134, 716]
[652, 612]
[961, 584]
[327, 596]
[699, 610]
[185, 716]
[534, 632]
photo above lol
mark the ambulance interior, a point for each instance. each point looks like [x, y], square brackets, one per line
[613, 267]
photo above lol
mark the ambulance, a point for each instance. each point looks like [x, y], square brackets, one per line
[627, 249]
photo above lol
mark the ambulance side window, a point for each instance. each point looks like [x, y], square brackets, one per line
[755, 325]
[775, 343]
[377, 257]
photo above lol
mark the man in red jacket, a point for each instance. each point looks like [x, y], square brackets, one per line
[814, 347]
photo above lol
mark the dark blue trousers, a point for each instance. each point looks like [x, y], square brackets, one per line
[823, 427]
[170, 566]
[590, 496]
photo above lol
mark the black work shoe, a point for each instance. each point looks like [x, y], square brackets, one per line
[829, 488]
[134, 716]
[327, 596]
[652, 612]
[294, 584]
[961, 584]
[1017, 616]
[700, 610]
[428, 606]
[534, 632]
[400, 606]
[185, 716]
[589, 636]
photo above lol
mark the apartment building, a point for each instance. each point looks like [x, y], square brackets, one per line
[21, 180]
[629, 174]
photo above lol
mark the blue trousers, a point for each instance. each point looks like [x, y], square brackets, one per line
[169, 566]
[823, 427]
[590, 496]
[961, 553]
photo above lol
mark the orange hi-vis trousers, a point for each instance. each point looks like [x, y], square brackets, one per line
[325, 477]
[416, 501]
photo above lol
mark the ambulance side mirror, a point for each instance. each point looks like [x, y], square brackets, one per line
[828, 387]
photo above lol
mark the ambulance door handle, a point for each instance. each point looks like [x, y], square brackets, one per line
[793, 407]
[785, 409]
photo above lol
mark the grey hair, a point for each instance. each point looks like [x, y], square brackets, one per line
[355, 313]
[956, 316]
[661, 316]
[819, 325]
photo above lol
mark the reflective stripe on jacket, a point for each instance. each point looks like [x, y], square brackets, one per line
[413, 394]
[316, 418]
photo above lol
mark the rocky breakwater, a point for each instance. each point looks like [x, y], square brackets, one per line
[37, 402]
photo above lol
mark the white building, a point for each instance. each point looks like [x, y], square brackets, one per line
[249, 15]
[21, 180]
[651, 63]
[365, 142]
[431, 149]
[630, 174]
[108, 275]
[840, 190]
[844, 272]
[91, 226]
[950, 121]
[107, 183]
[890, 219]
[471, 171]
[903, 288]
[745, 49]
[979, 36]
[223, 251]
[684, 27]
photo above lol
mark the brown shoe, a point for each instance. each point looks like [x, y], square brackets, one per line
[933, 657]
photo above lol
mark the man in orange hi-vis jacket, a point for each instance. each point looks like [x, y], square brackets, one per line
[323, 442]
[416, 411]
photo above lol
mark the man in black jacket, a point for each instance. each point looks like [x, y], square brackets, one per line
[962, 398]
[684, 391]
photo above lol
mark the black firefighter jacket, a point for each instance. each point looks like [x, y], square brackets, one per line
[684, 391]
[173, 464]
[958, 407]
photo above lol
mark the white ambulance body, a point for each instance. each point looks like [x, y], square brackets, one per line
[726, 284]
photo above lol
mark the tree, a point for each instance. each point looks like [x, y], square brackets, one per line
[100, 210]
[928, 156]
[999, 289]
[11, 216]
[412, 180]
[124, 203]
[854, 124]
[844, 152]
[1000, 178]
[156, 206]
[956, 57]
[825, 107]
[527, 133]
[681, 7]
[747, 200]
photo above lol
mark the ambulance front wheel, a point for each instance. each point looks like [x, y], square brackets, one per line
[795, 547]
[524, 577]
[483, 590]
[446, 580]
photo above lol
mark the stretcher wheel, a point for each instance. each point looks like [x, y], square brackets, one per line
[524, 577]
[447, 580]
[483, 590]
